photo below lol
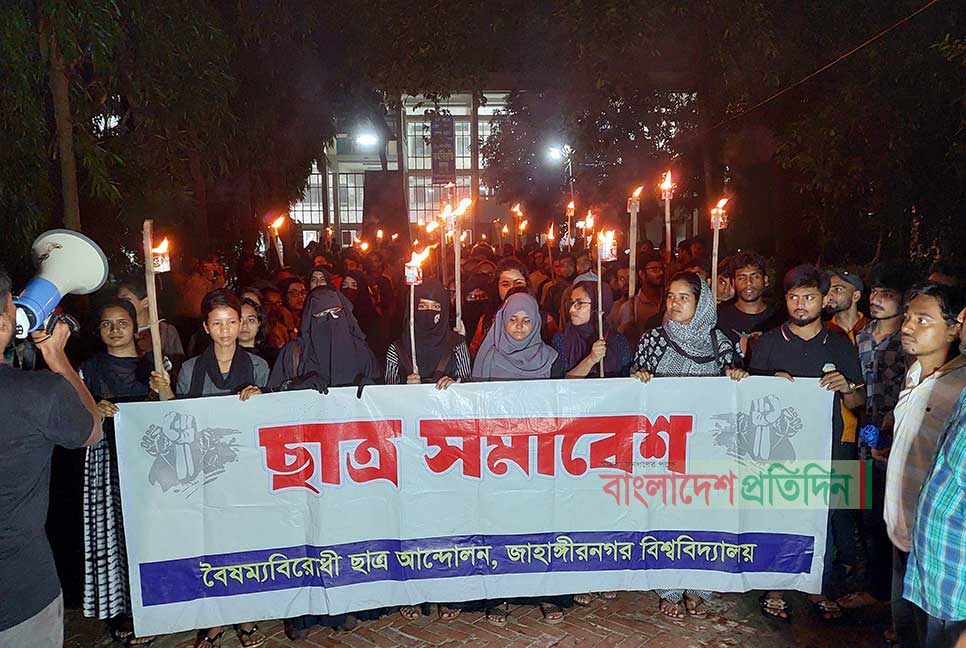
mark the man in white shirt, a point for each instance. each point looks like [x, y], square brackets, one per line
[934, 382]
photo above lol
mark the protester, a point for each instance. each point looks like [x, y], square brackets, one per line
[935, 577]
[330, 351]
[649, 299]
[581, 345]
[252, 293]
[320, 276]
[513, 350]
[585, 269]
[293, 299]
[251, 332]
[441, 353]
[223, 368]
[745, 319]
[114, 375]
[563, 268]
[688, 344]
[538, 274]
[134, 290]
[207, 275]
[934, 381]
[805, 347]
[355, 287]
[725, 290]
[884, 368]
[41, 409]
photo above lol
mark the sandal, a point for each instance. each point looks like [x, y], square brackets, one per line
[609, 596]
[552, 614]
[448, 613]
[775, 608]
[498, 616]
[671, 609]
[827, 609]
[583, 600]
[696, 606]
[247, 639]
[410, 612]
[204, 641]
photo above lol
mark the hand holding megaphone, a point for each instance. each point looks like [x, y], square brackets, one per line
[68, 263]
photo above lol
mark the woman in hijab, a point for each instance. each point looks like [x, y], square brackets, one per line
[513, 350]
[441, 352]
[687, 344]
[223, 368]
[355, 287]
[580, 344]
[330, 351]
[113, 376]
[478, 294]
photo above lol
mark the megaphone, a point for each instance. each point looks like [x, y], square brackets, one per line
[68, 263]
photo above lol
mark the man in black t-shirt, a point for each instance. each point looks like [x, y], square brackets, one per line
[38, 410]
[748, 316]
[804, 347]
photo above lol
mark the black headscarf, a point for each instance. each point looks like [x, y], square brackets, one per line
[361, 300]
[579, 339]
[477, 299]
[434, 337]
[330, 344]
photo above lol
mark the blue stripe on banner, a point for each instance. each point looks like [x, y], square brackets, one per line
[188, 579]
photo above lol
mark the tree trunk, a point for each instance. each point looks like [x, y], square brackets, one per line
[60, 94]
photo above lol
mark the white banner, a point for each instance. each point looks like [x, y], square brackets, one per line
[301, 503]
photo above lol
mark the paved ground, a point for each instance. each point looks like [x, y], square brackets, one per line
[632, 620]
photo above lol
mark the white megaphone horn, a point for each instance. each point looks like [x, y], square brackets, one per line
[68, 263]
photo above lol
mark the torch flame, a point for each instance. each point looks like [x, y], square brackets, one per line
[364, 246]
[278, 222]
[589, 220]
[516, 209]
[417, 259]
[637, 192]
[524, 224]
[550, 233]
[447, 210]
[605, 238]
[506, 229]
[431, 227]
[162, 247]
[463, 237]
[667, 185]
[571, 205]
[379, 234]
[722, 203]
[395, 236]
[462, 207]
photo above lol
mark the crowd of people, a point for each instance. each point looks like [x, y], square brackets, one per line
[898, 373]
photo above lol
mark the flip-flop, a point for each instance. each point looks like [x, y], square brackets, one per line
[675, 605]
[691, 605]
[825, 607]
[583, 600]
[410, 612]
[447, 613]
[552, 614]
[497, 616]
[246, 636]
[769, 606]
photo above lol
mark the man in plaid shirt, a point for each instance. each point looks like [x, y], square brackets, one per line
[936, 571]
[883, 369]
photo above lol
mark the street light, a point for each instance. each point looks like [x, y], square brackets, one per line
[367, 139]
[566, 153]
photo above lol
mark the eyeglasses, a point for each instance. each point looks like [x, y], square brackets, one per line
[329, 313]
[570, 303]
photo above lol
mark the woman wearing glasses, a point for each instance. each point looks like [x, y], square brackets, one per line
[581, 345]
